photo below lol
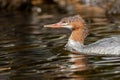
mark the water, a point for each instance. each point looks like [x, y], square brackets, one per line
[30, 52]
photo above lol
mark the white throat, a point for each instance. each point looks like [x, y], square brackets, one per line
[74, 46]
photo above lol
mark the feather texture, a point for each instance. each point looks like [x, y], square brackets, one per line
[106, 46]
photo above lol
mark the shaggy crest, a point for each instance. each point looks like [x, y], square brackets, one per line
[75, 18]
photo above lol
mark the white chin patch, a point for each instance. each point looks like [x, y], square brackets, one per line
[68, 27]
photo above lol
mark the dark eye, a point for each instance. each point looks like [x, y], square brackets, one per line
[64, 22]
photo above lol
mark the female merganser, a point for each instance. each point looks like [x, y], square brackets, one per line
[106, 46]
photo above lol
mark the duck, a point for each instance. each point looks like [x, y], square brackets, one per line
[79, 31]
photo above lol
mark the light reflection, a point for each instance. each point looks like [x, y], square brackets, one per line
[79, 63]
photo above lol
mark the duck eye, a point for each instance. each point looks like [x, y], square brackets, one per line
[64, 22]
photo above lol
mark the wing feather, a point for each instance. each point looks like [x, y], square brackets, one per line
[106, 46]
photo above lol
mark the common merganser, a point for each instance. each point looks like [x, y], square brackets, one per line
[106, 46]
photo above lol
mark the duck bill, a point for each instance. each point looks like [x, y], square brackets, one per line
[56, 25]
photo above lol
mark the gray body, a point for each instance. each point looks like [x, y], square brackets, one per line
[106, 46]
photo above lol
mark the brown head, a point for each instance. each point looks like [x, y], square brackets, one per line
[75, 23]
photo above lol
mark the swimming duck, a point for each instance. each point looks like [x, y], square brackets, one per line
[107, 46]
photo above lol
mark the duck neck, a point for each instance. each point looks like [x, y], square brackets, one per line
[78, 36]
[76, 40]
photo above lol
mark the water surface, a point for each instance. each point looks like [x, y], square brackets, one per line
[30, 52]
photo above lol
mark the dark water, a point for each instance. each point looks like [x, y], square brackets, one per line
[30, 52]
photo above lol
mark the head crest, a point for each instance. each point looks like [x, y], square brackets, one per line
[75, 18]
[78, 18]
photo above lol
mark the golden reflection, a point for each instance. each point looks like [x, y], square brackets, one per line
[79, 63]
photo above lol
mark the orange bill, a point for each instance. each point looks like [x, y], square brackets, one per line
[56, 25]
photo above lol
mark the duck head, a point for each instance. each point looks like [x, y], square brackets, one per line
[73, 23]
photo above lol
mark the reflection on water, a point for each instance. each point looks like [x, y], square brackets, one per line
[30, 52]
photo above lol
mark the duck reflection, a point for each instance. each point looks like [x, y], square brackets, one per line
[79, 63]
